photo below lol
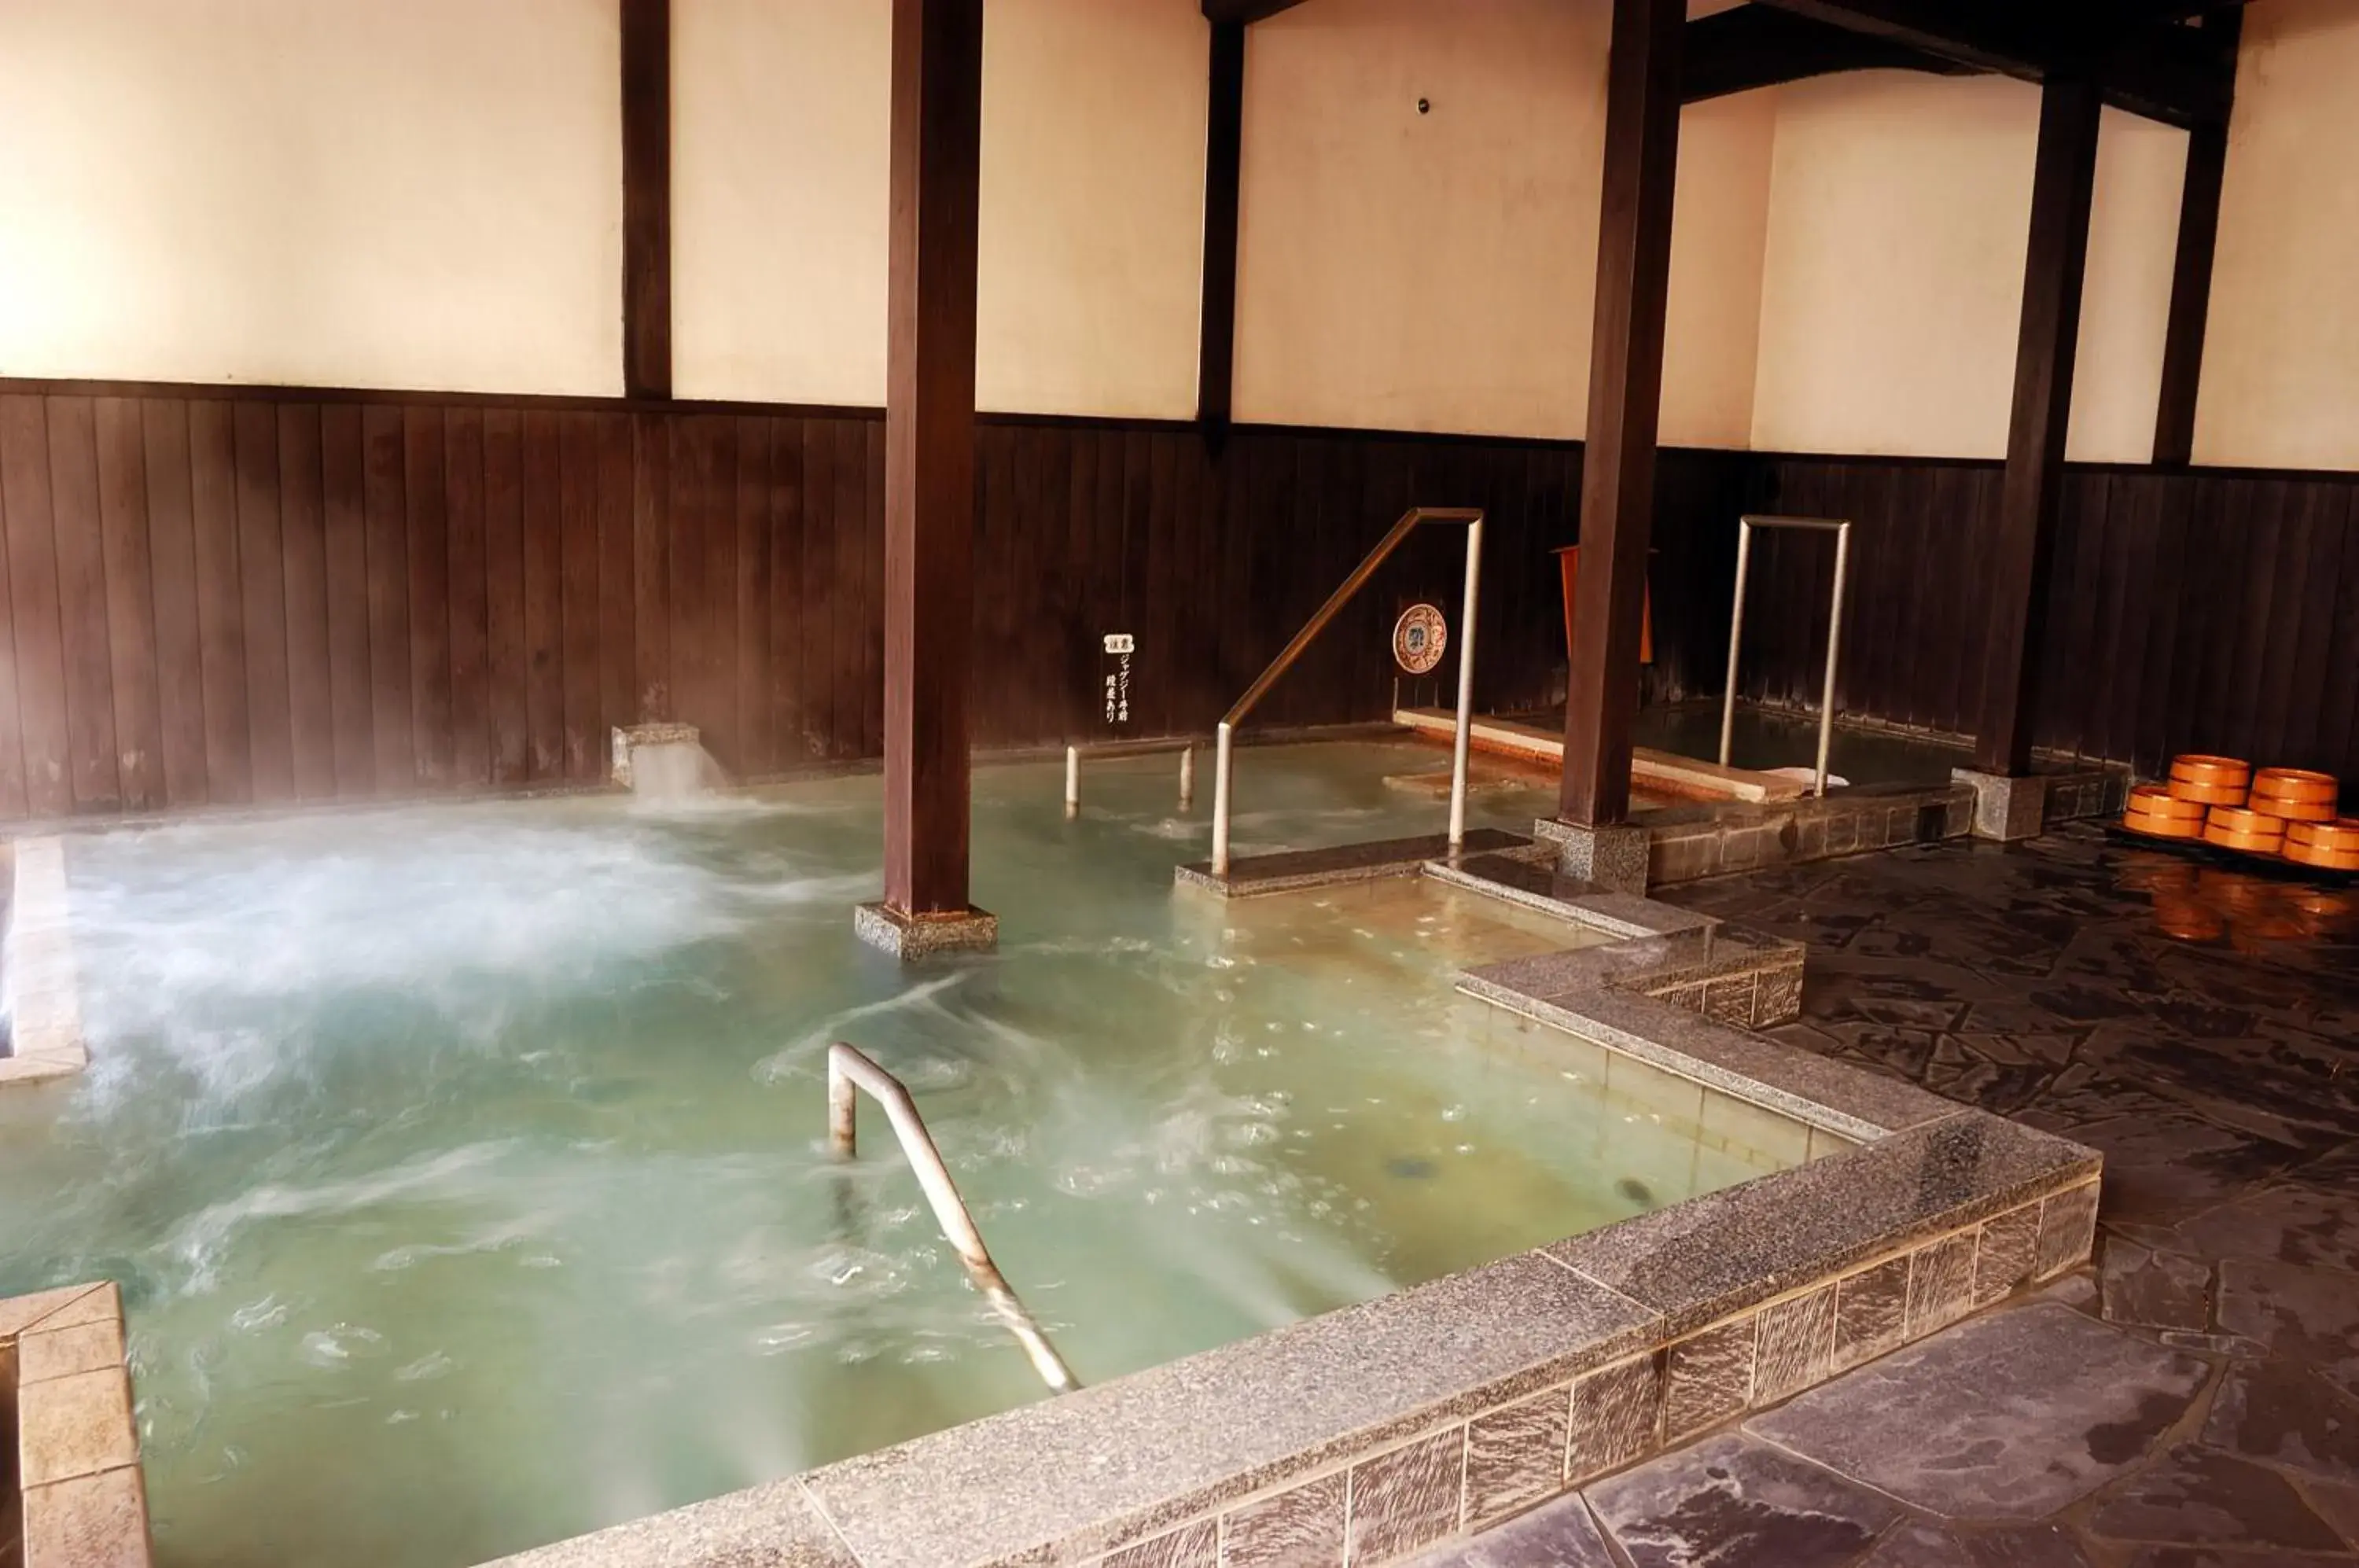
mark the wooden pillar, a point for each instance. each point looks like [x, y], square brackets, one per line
[1223, 148]
[2062, 181]
[937, 118]
[646, 198]
[1626, 394]
[2191, 279]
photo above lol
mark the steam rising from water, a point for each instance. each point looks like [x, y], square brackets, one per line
[386, 901]
[423, 1139]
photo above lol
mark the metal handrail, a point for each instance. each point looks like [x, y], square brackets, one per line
[1186, 748]
[1223, 737]
[1841, 531]
[848, 1071]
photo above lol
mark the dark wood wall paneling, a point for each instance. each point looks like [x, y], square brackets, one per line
[259, 599]
[231, 599]
[2205, 611]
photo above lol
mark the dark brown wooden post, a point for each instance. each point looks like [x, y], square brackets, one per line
[1223, 148]
[930, 451]
[2191, 279]
[1626, 394]
[646, 198]
[2063, 179]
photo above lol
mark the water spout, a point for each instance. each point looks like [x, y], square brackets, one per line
[664, 762]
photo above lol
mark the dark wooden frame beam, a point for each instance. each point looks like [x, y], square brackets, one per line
[2175, 74]
[1758, 45]
[1223, 150]
[2063, 182]
[2191, 279]
[1242, 12]
[2174, 10]
[937, 134]
[1625, 396]
[646, 198]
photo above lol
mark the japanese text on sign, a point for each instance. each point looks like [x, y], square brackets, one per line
[1119, 647]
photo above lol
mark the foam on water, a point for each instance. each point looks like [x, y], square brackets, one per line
[405, 900]
[426, 1140]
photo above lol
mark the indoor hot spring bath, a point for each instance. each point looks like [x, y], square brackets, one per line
[464, 1166]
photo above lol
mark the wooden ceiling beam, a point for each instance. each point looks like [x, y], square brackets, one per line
[1246, 11]
[2136, 11]
[2179, 75]
[1758, 45]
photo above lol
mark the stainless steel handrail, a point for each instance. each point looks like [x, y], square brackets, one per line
[1841, 531]
[1186, 748]
[849, 1070]
[1223, 737]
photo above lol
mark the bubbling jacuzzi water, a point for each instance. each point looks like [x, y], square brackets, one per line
[463, 1168]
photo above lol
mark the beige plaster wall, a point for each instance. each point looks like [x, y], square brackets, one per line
[426, 193]
[1434, 271]
[1091, 230]
[1899, 211]
[2281, 361]
[409, 193]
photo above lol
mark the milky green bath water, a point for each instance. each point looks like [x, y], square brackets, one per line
[462, 1164]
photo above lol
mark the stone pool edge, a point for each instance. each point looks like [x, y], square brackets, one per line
[81, 1501]
[1370, 1433]
[45, 1028]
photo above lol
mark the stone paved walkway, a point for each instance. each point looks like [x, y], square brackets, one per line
[2193, 1403]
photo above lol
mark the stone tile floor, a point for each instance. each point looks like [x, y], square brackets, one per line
[2195, 1400]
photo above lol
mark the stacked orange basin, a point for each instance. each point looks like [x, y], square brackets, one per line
[2156, 811]
[2328, 846]
[2233, 827]
[2278, 811]
[2211, 780]
[2295, 794]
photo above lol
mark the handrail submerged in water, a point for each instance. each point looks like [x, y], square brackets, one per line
[848, 1071]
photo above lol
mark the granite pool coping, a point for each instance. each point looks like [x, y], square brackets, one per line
[43, 991]
[1367, 1434]
[1293, 870]
[83, 1502]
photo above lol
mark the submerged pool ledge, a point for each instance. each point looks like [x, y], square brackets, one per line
[1367, 1434]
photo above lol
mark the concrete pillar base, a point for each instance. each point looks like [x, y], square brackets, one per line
[914, 937]
[1612, 858]
[2006, 810]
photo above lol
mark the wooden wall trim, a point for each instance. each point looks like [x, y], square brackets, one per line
[2191, 279]
[2064, 179]
[646, 198]
[1753, 46]
[1223, 154]
[930, 451]
[1625, 385]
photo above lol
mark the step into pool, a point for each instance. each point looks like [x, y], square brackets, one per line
[463, 1165]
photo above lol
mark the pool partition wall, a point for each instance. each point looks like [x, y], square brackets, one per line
[1719, 820]
[1367, 1434]
[37, 970]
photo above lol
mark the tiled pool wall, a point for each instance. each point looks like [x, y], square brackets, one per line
[1687, 843]
[79, 1500]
